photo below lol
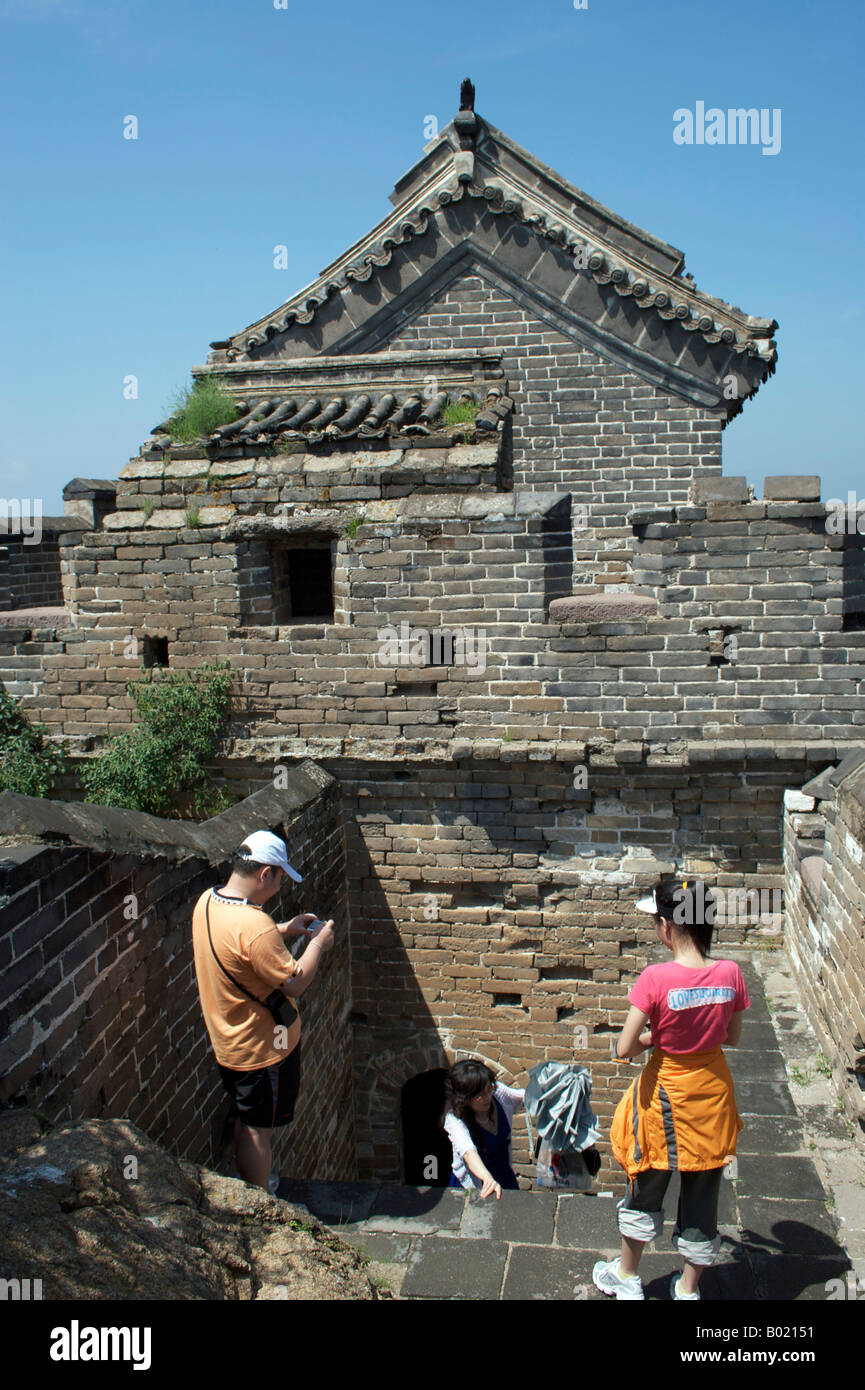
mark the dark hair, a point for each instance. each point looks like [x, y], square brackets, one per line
[246, 867]
[689, 905]
[464, 1081]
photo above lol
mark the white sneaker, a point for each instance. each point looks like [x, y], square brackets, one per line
[607, 1278]
[682, 1297]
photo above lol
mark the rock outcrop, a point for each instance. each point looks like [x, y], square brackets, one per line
[96, 1210]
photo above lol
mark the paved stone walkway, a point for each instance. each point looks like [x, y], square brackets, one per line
[780, 1236]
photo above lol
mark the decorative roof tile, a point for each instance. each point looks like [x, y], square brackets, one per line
[608, 248]
[325, 419]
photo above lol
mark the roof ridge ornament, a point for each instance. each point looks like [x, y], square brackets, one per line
[466, 122]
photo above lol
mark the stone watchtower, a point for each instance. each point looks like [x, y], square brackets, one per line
[468, 545]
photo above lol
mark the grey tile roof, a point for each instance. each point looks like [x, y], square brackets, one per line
[329, 418]
[616, 253]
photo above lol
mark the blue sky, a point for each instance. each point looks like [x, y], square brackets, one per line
[261, 126]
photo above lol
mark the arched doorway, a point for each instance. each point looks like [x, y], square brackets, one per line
[426, 1149]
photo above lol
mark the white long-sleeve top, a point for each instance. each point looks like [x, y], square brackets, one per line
[511, 1100]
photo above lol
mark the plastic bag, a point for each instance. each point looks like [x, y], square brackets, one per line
[562, 1169]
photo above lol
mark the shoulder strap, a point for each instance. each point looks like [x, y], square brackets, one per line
[236, 983]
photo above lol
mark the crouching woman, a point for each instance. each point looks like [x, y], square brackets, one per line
[477, 1120]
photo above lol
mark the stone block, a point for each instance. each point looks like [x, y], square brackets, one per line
[472, 456]
[792, 487]
[238, 469]
[813, 869]
[142, 468]
[186, 468]
[163, 519]
[337, 465]
[382, 459]
[455, 1269]
[420, 460]
[820, 787]
[721, 490]
[602, 608]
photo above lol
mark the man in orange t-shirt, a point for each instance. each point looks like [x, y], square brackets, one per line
[240, 959]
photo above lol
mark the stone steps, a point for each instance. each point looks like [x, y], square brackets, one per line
[779, 1238]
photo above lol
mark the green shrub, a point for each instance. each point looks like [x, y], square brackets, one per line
[159, 766]
[200, 410]
[29, 763]
[459, 412]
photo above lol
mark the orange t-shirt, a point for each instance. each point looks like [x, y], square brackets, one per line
[245, 938]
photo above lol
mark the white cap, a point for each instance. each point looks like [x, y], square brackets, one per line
[266, 848]
[647, 905]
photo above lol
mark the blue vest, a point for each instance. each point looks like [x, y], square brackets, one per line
[495, 1153]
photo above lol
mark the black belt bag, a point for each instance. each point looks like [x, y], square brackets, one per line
[278, 1005]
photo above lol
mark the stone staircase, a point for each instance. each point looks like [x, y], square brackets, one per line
[780, 1240]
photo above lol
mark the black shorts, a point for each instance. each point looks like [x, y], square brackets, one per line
[265, 1097]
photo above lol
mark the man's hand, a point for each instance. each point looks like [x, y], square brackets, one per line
[298, 926]
[324, 935]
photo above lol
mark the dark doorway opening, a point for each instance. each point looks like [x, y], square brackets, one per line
[425, 1146]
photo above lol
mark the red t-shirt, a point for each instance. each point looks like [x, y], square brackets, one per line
[690, 1010]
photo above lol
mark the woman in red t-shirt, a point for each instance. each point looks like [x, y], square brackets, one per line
[680, 1113]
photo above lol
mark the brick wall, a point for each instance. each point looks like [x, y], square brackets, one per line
[582, 424]
[478, 538]
[753, 597]
[100, 1013]
[748, 638]
[492, 913]
[30, 574]
[25, 646]
[824, 842]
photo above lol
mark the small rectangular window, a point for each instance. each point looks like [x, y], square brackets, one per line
[155, 651]
[287, 580]
[303, 584]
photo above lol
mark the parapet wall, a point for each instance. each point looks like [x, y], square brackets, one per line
[746, 629]
[30, 559]
[824, 851]
[99, 1013]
